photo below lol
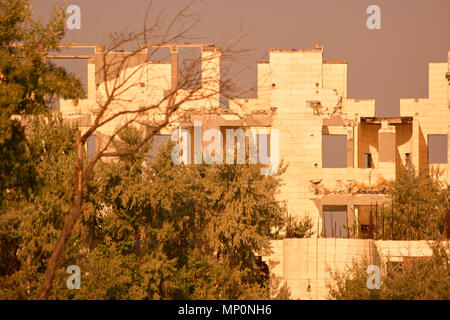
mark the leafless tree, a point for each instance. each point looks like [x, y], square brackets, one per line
[119, 106]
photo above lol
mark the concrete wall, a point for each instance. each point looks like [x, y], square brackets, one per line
[305, 264]
[335, 77]
[431, 116]
[296, 78]
[306, 98]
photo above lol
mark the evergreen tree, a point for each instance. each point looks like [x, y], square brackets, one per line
[28, 82]
[29, 226]
[183, 232]
[163, 231]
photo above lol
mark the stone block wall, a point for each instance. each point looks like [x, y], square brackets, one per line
[305, 264]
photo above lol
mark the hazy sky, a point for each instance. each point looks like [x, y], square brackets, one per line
[386, 64]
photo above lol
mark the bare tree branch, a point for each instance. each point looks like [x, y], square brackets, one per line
[120, 76]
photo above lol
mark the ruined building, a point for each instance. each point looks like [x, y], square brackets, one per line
[339, 155]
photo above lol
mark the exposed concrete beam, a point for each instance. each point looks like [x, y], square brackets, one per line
[394, 120]
[174, 66]
[185, 45]
[70, 56]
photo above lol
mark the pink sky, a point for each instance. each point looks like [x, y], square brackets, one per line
[386, 64]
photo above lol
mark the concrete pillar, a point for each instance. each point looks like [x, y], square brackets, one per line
[350, 147]
[98, 61]
[448, 76]
[448, 157]
[264, 86]
[386, 150]
[355, 144]
[92, 88]
[174, 66]
[415, 143]
[211, 74]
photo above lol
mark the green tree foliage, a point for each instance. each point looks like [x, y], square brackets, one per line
[299, 227]
[148, 232]
[159, 232]
[184, 232]
[425, 278]
[420, 202]
[28, 82]
[29, 227]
